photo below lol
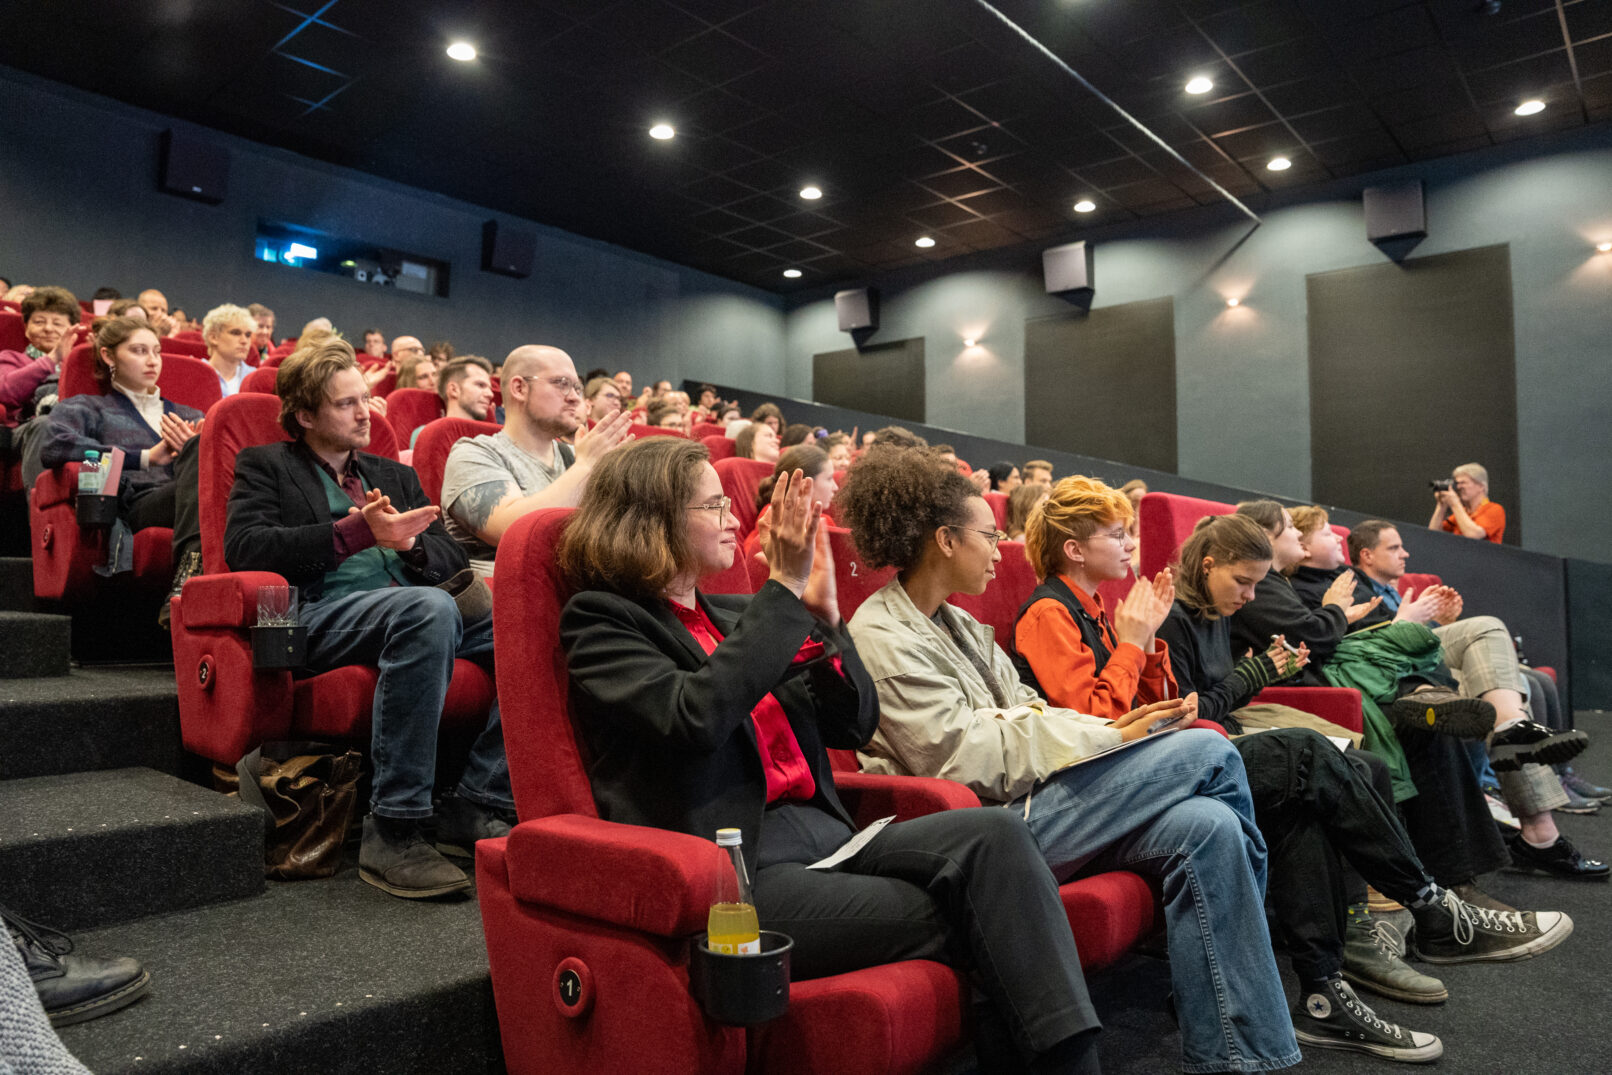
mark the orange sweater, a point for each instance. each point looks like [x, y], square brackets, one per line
[1066, 667]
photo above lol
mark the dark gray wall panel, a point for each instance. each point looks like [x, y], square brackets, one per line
[1103, 383]
[885, 378]
[1412, 372]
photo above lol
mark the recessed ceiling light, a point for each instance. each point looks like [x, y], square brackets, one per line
[791, 274]
[811, 194]
[1234, 302]
[1279, 164]
[662, 131]
[924, 241]
[1200, 85]
[1531, 108]
[463, 51]
[1085, 205]
[1603, 247]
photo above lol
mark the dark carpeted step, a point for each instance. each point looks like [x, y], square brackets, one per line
[16, 584]
[313, 976]
[102, 718]
[86, 849]
[33, 644]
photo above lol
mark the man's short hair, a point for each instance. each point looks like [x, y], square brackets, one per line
[301, 381]
[1475, 471]
[596, 372]
[458, 370]
[1037, 464]
[1366, 535]
[257, 310]
[52, 300]
[106, 293]
[374, 332]
[223, 316]
[596, 385]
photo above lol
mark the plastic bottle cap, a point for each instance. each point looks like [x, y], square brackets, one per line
[92, 456]
[728, 838]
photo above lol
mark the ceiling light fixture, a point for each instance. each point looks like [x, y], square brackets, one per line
[662, 132]
[1085, 205]
[923, 241]
[463, 51]
[1200, 85]
[1530, 108]
[791, 274]
[1279, 164]
[811, 194]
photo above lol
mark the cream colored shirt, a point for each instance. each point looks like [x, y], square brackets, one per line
[149, 404]
[938, 716]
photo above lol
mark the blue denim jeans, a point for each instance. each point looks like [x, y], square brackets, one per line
[412, 634]
[1178, 809]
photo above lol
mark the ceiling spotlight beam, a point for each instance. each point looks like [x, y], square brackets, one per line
[1111, 103]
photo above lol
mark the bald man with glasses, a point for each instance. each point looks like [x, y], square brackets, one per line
[494, 479]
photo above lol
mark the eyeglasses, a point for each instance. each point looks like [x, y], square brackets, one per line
[720, 507]
[993, 536]
[566, 386]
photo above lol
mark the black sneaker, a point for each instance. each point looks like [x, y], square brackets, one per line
[460, 823]
[1451, 930]
[395, 857]
[71, 987]
[1335, 1018]
[1440, 709]
[1529, 741]
[1560, 858]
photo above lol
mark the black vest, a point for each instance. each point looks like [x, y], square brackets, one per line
[1091, 632]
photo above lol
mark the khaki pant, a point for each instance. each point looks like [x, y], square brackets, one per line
[1269, 715]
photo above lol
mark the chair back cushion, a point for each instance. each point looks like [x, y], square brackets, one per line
[702, 430]
[998, 503]
[12, 336]
[853, 581]
[1003, 595]
[1166, 521]
[637, 430]
[190, 381]
[545, 759]
[179, 345]
[261, 380]
[407, 409]
[740, 480]
[437, 439]
[719, 446]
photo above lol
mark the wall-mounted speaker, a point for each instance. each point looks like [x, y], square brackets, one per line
[193, 167]
[1068, 268]
[507, 251]
[1395, 211]
[858, 309]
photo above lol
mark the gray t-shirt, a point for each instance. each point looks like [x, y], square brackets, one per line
[480, 472]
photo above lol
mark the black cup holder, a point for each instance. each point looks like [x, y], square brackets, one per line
[742, 990]
[96, 511]
[279, 647]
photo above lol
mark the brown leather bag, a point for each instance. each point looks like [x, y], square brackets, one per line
[307, 799]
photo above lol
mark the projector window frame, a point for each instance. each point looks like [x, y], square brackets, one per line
[357, 260]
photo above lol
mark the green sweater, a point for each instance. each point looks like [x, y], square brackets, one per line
[1373, 661]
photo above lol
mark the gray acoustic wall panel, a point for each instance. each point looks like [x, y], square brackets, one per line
[886, 378]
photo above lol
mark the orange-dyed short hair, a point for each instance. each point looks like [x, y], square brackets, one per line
[1076, 509]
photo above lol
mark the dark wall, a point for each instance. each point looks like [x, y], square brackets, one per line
[1589, 603]
[884, 378]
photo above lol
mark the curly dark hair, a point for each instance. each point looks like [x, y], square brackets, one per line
[895, 499]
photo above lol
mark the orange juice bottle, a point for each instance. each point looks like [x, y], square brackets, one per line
[732, 927]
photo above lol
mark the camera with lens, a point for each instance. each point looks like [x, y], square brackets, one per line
[1442, 485]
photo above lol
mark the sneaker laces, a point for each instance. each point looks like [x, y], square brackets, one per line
[1469, 918]
[1365, 1014]
[1386, 936]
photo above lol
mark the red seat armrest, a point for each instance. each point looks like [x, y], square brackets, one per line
[645, 879]
[870, 796]
[56, 486]
[225, 600]
[1340, 705]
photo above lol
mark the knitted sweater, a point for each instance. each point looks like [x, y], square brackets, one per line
[1201, 658]
[101, 423]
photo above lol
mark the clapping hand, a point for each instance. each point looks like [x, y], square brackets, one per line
[791, 543]
[394, 529]
[1138, 616]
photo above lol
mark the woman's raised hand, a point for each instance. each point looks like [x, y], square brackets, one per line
[821, 596]
[791, 543]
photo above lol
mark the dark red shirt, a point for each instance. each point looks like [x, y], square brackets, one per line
[789, 776]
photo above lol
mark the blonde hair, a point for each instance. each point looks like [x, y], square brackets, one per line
[1077, 507]
[223, 316]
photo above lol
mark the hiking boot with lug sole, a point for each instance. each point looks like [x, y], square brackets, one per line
[1440, 709]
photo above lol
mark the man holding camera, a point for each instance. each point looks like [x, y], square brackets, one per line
[1463, 505]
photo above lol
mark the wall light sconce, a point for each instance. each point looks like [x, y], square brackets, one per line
[1234, 302]
[1603, 247]
[969, 341]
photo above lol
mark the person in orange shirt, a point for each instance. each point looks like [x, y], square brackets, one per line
[1465, 508]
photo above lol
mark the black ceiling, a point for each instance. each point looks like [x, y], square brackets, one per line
[914, 116]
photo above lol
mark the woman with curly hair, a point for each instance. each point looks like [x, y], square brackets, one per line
[1177, 809]
[703, 712]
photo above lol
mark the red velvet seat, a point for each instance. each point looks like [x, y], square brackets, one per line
[437, 439]
[702, 430]
[638, 429]
[740, 480]
[407, 409]
[12, 334]
[261, 380]
[999, 605]
[854, 582]
[226, 707]
[65, 556]
[998, 503]
[181, 345]
[1418, 581]
[385, 387]
[719, 446]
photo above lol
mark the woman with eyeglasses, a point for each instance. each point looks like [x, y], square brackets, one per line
[1177, 809]
[703, 712]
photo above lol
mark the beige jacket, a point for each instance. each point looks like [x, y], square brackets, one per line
[937, 714]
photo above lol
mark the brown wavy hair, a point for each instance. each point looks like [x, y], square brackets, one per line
[806, 458]
[302, 377]
[110, 334]
[895, 499]
[1226, 539]
[630, 531]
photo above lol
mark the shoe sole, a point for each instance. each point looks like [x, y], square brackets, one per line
[1395, 994]
[1552, 751]
[1543, 943]
[1463, 718]
[105, 1004]
[1591, 807]
[456, 850]
[1422, 1055]
[412, 893]
[1520, 866]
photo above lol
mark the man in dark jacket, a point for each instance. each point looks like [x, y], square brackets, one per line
[355, 533]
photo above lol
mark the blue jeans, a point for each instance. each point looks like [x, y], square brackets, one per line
[412, 634]
[1178, 810]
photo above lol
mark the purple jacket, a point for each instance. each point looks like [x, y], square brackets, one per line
[19, 376]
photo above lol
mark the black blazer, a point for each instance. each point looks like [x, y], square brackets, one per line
[668, 730]
[279, 519]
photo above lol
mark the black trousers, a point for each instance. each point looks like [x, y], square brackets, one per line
[176, 504]
[1319, 808]
[1449, 819]
[968, 888]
